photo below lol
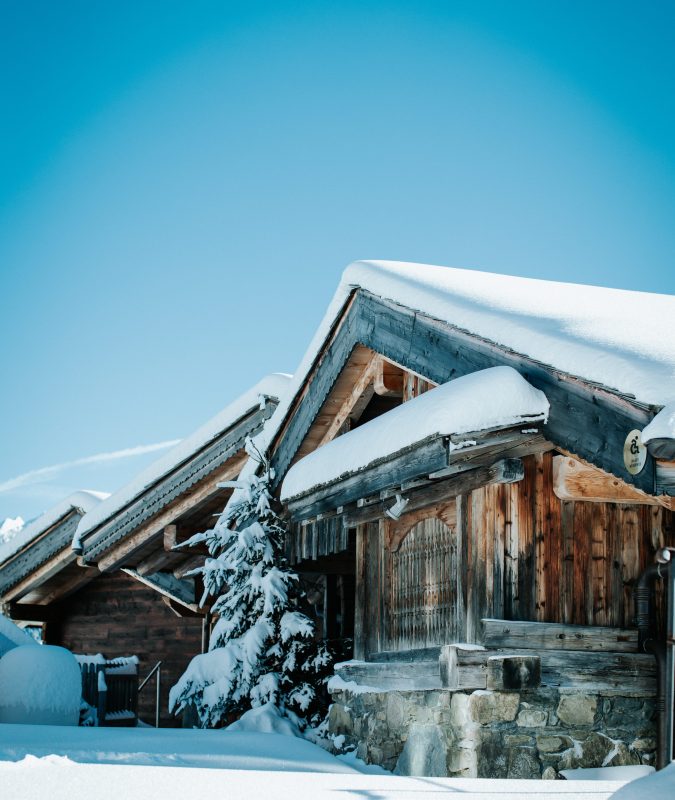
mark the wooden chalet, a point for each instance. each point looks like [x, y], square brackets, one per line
[460, 458]
[128, 591]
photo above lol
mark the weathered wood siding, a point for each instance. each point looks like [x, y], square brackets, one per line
[118, 616]
[517, 552]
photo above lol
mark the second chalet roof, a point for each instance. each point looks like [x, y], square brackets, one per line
[273, 386]
[488, 399]
[82, 501]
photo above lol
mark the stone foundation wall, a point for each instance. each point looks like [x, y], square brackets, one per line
[486, 734]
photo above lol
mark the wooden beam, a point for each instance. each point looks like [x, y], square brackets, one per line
[557, 636]
[625, 672]
[388, 379]
[41, 574]
[367, 377]
[574, 480]
[504, 471]
[180, 609]
[81, 578]
[170, 537]
[157, 561]
[463, 667]
[125, 549]
[181, 570]
[423, 458]
[513, 673]
[30, 612]
[182, 591]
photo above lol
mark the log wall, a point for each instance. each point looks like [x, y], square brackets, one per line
[118, 616]
[515, 552]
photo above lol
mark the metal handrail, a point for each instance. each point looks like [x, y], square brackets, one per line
[156, 669]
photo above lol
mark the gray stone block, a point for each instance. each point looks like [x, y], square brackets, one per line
[577, 709]
[424, 753]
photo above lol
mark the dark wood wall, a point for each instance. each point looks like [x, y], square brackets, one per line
[118, 616]
[513, 551]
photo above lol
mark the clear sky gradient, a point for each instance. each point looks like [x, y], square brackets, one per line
[181, 185]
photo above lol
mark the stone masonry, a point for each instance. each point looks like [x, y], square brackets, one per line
[488, 734]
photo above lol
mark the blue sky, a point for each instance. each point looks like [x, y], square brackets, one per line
[181, 185]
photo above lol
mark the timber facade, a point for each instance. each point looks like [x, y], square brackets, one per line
[498, 585]
[494, 618]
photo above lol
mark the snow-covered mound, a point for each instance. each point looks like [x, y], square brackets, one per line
[40, 686]
[264, 719]
[657, 786]
[12, 636]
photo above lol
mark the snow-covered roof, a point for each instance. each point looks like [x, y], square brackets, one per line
[491, 398]
[273, 386]
[83, 501]
[624, 340]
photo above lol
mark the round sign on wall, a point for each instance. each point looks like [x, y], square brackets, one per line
[634, 453]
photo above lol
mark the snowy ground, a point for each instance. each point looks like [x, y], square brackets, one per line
[39, 762]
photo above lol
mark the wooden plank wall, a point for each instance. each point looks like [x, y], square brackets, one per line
[522, 554]
[559, 561]
[118, 616]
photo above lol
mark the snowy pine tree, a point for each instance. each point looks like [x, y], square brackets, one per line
[262, 648]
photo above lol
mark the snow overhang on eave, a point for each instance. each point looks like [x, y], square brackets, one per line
[470, 422]
[659, 435]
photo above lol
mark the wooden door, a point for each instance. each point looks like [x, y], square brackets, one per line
[424, 591]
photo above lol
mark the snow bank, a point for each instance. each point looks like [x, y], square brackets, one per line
[174, 747]
[264, 719]
[492, 398]
[658, 786]
[83, 501]
[586, 331]
[40, 686]
[12, 636]
[662, 426]
[31, 779]
[272, 386]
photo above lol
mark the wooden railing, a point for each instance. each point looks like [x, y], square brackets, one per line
[111, 687]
